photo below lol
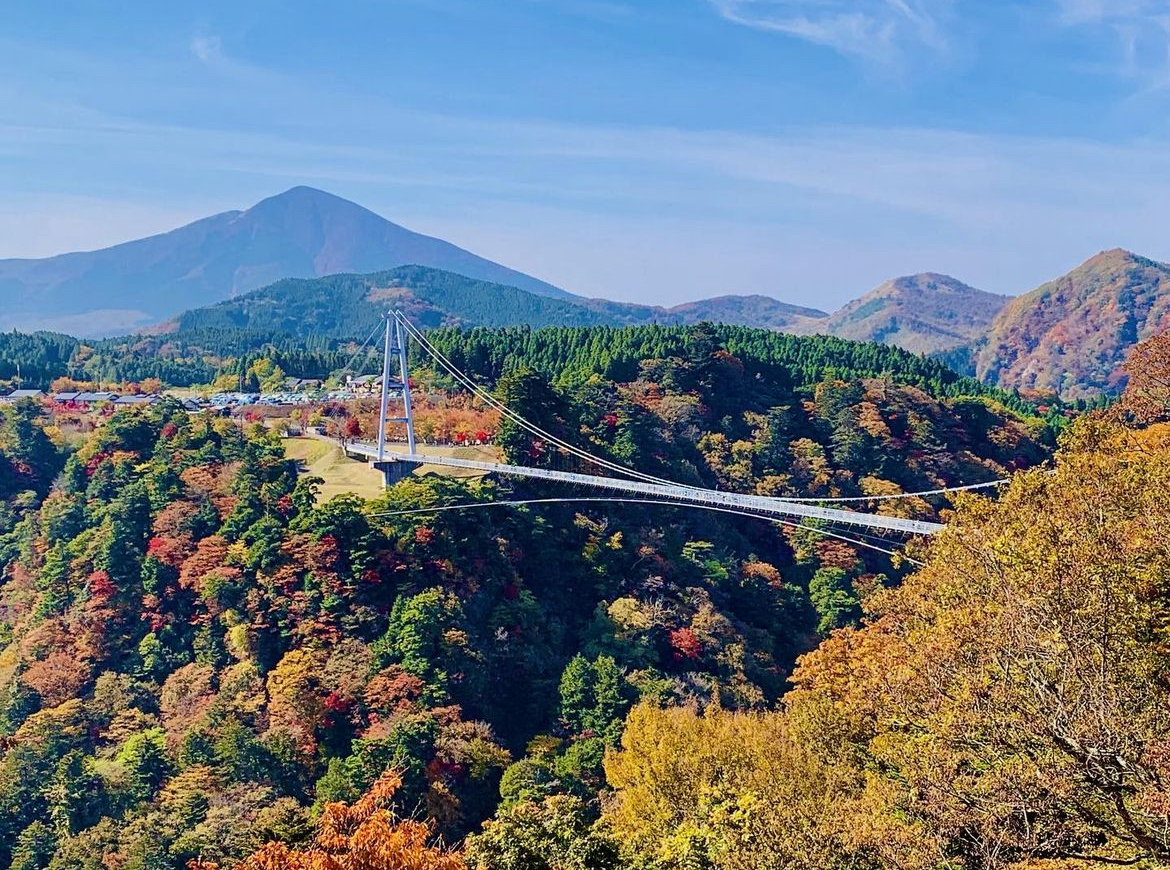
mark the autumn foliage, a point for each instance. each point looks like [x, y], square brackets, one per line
[201, 657]
[1147, 395]
[1007, 703]
[362, 836]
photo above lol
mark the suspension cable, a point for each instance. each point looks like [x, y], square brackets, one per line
[462, 378]
[894, 495]
[491, 400]
[651, 501]
[345, 368]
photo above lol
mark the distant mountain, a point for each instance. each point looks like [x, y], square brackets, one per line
[761, 311]
[348, 306]
[305, 233]
[306, 263]
[920, 313]
[342, 306]
[302, 232]
[1072, 335]
[925, 313]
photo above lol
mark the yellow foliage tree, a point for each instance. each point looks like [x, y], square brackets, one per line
[296, 700]
[1007, 706]
[1015, 691]
[732, 790]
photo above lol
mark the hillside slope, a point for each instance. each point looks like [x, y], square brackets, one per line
[347, 306]
[764, 312]
[1072, 335]
[197, 654]
[924, 313]
[302, 232]
[342, 306]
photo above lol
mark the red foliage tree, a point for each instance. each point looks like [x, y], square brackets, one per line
[58, 677]
[101, 587]
[685, 645]
[365, 836]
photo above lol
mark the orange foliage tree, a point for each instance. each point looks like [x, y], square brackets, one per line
[1147, 397]
[364, 836]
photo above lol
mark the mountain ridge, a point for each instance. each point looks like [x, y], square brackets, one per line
[1071, 335]
[1068, 336]
[302, 232]
[927, 312]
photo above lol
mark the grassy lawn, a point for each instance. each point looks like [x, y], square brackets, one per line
[325, 460]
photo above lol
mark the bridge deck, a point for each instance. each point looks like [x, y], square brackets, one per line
[680, 493]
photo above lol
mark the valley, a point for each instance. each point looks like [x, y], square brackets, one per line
[217, 634]
[267, 619]
[219, 631]
[585, 435]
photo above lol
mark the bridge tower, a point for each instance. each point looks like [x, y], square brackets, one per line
[395, 349]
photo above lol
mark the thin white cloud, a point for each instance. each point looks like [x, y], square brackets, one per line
[207, 49]
[1137, 30]
[876, 30]
[993, 191]
[815, 214]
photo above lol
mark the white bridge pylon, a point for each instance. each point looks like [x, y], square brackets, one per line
[392, 464]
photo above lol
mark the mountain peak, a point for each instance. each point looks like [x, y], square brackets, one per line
[300, 233]
[1115, 258]
[926, 313]
[302, 200]
[303, 193]
[928, 280]
[932, 283]
[1072, 334]
[306, 190]
[1116, 253]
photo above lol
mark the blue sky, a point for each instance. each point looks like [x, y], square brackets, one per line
[655, 151]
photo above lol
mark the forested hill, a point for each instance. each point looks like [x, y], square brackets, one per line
[197, 655]
[345, 306]
[927, 313]
[1074, 334]
[774, 359]
[348, 306]
[189, 358]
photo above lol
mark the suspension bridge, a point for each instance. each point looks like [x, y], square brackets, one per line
[624, 485]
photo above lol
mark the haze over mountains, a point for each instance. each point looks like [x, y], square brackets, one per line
[308, 233]
[306, 262]
[302, 232]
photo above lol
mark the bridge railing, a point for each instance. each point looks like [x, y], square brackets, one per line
[678, 492]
